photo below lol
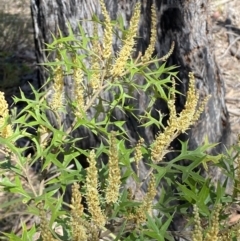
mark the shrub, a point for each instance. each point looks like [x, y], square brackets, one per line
[102, 207]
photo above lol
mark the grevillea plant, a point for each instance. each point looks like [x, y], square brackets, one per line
[101, 206]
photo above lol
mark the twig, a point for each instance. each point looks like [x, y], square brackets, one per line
[234, 112]
[232, 99]
[229, 47]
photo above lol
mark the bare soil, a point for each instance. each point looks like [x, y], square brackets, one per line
[227, 54]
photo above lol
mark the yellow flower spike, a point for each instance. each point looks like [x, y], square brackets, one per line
[198, 231]
[95, 81]
[78, 90]
[107, 40]
[161, 143]
[146, 205]
[95, 78]
[114, 176]
[6, 130]
[191, 112]
[57, 99]
[164, 139]
[92, 195]
[148, 54]
[165, 57]
[46, 234]
[76, 200]
[78, 229]
[178, 124]
[151, 193]
[3, 105]
[77, 71]
[186, 117]
[200, 109]
[138, 154]
[79, 232]
[125, 52]
[212, 234]
[172, 109]
[226, 236]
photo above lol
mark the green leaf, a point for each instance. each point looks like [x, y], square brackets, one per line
[189, 195]
[154, 230]
[165, 225]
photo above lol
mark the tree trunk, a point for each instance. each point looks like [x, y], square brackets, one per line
[183, 21]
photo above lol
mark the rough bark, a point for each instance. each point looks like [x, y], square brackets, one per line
[183, 21]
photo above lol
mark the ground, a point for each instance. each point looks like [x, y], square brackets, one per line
[17, 60]
[228, 62]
